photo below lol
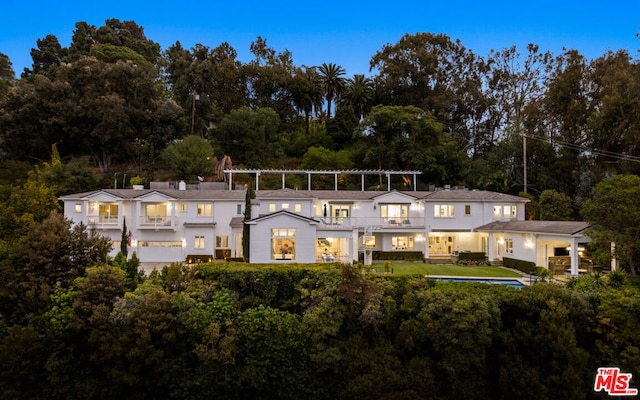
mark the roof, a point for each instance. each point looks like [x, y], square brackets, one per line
[471, 195]
[292, 194]
[552, 227]
[282, 212]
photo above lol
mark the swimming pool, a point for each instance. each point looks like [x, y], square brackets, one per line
[494, 281]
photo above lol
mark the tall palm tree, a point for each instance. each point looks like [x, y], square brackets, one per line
[333, 80]
[359, 93]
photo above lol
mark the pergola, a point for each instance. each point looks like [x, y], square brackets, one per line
[309, 173]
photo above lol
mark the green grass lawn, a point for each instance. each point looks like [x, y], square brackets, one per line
[448, 270]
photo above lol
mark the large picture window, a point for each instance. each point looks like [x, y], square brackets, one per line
[394, 213]
[402, 242]
[283, 244]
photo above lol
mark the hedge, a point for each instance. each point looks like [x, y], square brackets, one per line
[525, 266]
[398, 255]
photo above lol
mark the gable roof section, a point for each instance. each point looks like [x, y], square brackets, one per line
[281, 213]
[551, 227]
[394, 197]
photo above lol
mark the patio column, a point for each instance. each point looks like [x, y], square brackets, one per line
[575, 257]
[491, 247]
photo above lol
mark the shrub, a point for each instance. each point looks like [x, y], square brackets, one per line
[525, 266]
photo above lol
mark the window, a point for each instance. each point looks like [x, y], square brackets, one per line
[183, 207]
[283, 244]
[297, 207]
[504, 211]
[508, 246]
[238, 209]
[78, 207]
[222, 242]
[272, 207]
[369, 241]
[285, 206]
[198, 242]
[394, 213]
[443, 210]
[204, 210]
[402, 242]
[467, 209]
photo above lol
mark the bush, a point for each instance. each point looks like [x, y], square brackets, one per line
[525, 266]
[472, 258]
[398, 255]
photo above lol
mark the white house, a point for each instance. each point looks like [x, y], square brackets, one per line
[189, 223]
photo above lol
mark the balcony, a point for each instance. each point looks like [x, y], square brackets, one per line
[103, 221]
[155, 222]
[400, 223]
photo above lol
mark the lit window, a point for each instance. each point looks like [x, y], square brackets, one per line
[78, 207]
[283, 244]
[369, 241]
[298, 207]
[272, 207]
[204, 210]
[508, 246]
[394, 212]
[467, 209]
[183, 207]
[402, 242]
[222, 242]
[443, 210]
[504, 211]
[198, 242]
[285, 206]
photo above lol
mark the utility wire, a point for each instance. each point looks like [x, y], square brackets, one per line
[573, 146]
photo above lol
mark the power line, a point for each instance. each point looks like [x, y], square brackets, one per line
[577, 147]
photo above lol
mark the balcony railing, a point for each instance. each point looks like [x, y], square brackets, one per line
[154, 222]
[374, 222]
[103, 221]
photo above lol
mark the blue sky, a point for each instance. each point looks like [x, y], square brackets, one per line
[345, 33]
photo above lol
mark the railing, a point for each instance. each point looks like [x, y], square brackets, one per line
[102, 220]
[148, 221]
[375, 222]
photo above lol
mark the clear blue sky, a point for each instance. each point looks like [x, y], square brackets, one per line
[341, 32]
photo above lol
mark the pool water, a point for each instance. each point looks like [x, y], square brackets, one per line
[509, 282]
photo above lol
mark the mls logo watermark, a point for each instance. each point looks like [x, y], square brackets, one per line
[614, 382]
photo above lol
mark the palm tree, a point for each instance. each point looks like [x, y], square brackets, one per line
[333, 81]
[307, 92]
[359, 93]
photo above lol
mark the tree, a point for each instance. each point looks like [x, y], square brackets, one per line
[246, 231]
[307, 91]
[332, 76]
[268, 76]
[47, 56]
[6, 74]
[358, 92]
[245, 129]
[614, 213]
[554, 206]
[408, 138]
[190, 158]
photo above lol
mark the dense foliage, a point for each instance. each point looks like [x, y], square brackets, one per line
[430, 104]
[219, 331]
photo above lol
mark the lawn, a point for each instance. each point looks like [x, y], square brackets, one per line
[448, 270]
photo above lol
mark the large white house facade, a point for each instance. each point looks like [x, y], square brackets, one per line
[189, 223]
